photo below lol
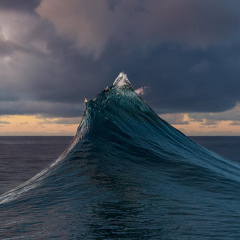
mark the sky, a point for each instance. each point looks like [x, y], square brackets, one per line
[182, 56]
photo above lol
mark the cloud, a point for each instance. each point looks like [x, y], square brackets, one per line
[6, 47]
[84, 22]
[142, 91]
[92, 25]
[4, 122]
[200, 67]
[235, 123]
[65, 121]
[175, 119]
[208, 122]
[186, 52]
[214, 133]
[23, 5]
[45, 109]
[229, 115]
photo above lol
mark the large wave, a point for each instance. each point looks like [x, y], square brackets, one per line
[127, 174]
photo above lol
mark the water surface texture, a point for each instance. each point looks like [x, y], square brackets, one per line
[22, 157]
[126, 175]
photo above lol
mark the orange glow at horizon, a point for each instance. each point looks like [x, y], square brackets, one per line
[222, 128]
[21, 125]
[30, 125]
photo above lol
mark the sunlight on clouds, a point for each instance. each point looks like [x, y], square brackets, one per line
[19, 125]
[14, 25]
[204, 127]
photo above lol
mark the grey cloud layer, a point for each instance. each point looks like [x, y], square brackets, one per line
[232, 114]
[92, 24]
[184, 52]
[45, 109]
[22, 5]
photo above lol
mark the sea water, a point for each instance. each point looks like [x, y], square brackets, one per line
[21, 157]
[127, 174]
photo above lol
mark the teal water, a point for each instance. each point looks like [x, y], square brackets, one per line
[126, 175]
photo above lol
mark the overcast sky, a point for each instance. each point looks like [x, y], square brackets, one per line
[184, 54]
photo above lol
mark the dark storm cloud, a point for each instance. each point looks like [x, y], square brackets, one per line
[45, 109]
[175, 87]
[184, 52]
[19, 5]
[6, 47]
[145, 23]
[9, 48]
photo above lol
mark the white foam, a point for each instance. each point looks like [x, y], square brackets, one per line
[122, 81]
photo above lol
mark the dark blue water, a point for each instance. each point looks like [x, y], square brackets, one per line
[127, 175]
[228, 147]
[23, 157]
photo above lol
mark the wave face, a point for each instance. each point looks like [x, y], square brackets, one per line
[127, 174]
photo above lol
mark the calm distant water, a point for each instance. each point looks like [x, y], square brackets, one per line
[23, 157]
[228, 147]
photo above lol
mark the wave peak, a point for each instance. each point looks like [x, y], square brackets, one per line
[122, 81]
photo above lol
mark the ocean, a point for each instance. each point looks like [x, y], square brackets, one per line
[126, 174]
[22, 157]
